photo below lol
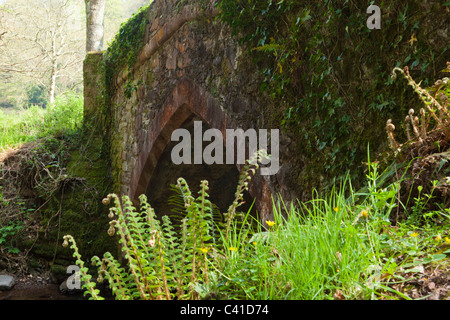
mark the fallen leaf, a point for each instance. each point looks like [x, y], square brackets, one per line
[417, 269]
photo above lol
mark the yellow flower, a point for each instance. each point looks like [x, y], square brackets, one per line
[414, 234]
[254, 243]
[281, 67]
[270, 223]
[447, 240]
[204, 250]
[365, 214]
[232, 248]
[438, 237]
[336, 209]
[412, 40]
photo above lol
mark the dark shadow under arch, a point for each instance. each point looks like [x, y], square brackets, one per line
[222, 179]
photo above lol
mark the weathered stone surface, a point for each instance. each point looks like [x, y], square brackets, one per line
[93, 85]
[190, 65]
[7, 282]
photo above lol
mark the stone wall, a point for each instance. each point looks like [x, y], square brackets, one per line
[190, 64]
[92, 83]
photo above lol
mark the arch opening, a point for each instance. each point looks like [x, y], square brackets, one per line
[222, 178]
[188, 102]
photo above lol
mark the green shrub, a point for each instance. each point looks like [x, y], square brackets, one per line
[7, 234]
[37, 96]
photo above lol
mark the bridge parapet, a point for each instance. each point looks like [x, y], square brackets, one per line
[190, 65]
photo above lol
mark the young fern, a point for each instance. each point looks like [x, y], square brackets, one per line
[110, 269]
[88, 285]
[434, 99]
[249, 168]
[162, 263]
[213, 214]
[174, 254]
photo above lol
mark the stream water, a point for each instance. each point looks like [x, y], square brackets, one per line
[37, 292]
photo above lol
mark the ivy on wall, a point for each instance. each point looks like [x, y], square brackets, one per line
[124, 50]
[329, 74]
[326, 72]
[121, 54]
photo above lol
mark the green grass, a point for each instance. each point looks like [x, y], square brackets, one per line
[316, 251]
[338, 246]
[30, 124]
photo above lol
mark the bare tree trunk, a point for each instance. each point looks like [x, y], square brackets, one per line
[52, 87]
[95, 12]
[54, 69]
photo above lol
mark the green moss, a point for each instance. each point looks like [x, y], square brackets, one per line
[93, 87]
[150, 78]
[124, 49]
[76, 208]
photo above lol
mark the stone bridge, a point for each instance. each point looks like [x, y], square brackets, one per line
[190, 68]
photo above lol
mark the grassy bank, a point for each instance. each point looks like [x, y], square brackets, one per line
[29, 124]
[341, 245]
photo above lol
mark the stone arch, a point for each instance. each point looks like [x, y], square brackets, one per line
[185, 100]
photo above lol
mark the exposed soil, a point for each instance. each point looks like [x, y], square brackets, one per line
[430, 283]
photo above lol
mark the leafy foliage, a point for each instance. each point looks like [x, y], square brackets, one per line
[37, 96]
[123, 51]
[328, 74]
[7, 233]
[162, 264]
[338, 246]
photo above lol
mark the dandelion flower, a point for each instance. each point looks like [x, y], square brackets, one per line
[270, 223]
[254, 243]
[365, 214]
[336, 209]
[414, 234]
[204, 250]
[232, 248]
[447, 240]
[438, 237]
